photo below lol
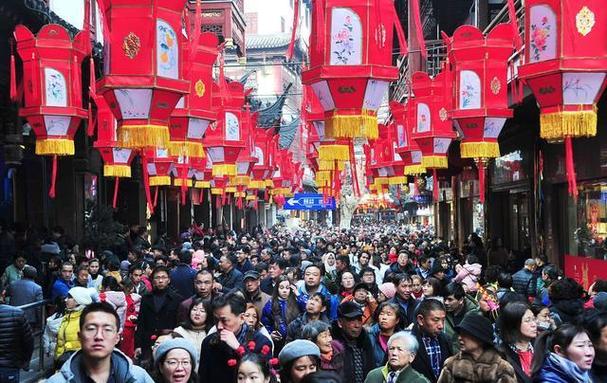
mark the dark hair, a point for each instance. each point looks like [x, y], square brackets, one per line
[552, 272]
[594, 323]
[367, 269]
[292, 309]
[544, 345]
[565, 289]
[94, 260]
[204, 272]
[437, 286]
[110, 282]
[285, 371]
[237, 303]
[323, 299]
[504, 280]
[281, 263]
[160, 269]
[509, 321]
[322, 376]
[208, 324]
[398, 311]
[428, 305]
[157, 374]
[455, 289]
[99, 307]
[64, 263]
[185, 256]
[400, 278]
[313, 265]
[30, 272]
[343, 258]
[492, 273]
[261, 362]
[472, 258]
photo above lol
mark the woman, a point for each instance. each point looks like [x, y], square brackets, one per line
[252, 368]
[281, 310]
[112, 292]
[566, 298]
[564, 355]
[330, 274]
[197, 324]
[416, 286]
[347, 281]
[331, 353]
[67, 336]
[596, 324]
[542, 318]
[477, 361]
[518, 330]
[432, 288]
[174, 361]
[133, 304]
[298, 359]
[386, 292]
[488, 303]
[550, 274]
[387, 322]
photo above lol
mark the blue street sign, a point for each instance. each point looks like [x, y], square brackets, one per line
[309, 201]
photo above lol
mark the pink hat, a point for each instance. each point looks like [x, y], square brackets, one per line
[388, 289]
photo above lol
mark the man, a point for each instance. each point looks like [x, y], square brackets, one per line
[312, 284]
[182, 276]
[82, 277]
[16, 343]
[233, 336]
[458, 305]
[348, 331]
[252, 292]
[25, 291]
[402, 348]
[242, 256]
[401, 266]
[404, 298]
[342, 263]
[230, 278]
[64, 283]
[136, 273]
[157, 311]
[275, 269]
[13, 272]
[203, 288]
[423, 270]
[316, 309]
[98, 360]
[434, 347]
[364, 261]
[522, 280]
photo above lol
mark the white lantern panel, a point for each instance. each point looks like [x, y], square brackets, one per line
[581, 88]
[321, 89]
[374, 94]
[416, 156]
[215, 154]
[424, 122]
[543, 32]
[121, 155]
[55, 88]
[152, 169]
[232, 126]
[259, 155]
[167, 50]
[441, 145]
[320, 129]
[383, 172]
[134, 103]
[493, 127]
[180, 103]
[197, 127]
[162, 153]
[241, 168]
[57, 125]
[397, 156]
[469, 90]
[401, 135]
[346, 37]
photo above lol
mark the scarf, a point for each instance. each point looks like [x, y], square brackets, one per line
[568, 368]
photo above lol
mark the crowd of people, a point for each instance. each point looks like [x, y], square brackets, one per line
[376, 303]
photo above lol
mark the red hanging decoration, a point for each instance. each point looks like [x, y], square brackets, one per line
[116, 186]
[570, 166]
[51, 192]
[419, 30]
[13, 84]
[293, 31]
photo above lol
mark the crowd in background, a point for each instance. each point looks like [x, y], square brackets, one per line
[375, 303]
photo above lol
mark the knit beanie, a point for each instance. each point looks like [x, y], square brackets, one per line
[388, 289]
[82, 295]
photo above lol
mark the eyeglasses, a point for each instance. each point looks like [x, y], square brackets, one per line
[173, 363]
[92, 330]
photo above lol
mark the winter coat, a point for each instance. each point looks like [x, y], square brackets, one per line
[337, 362]
[489, 367]
[123, 370]
[295, 327]
[379, 354]
[469, 274]
[182, 279]
[16, 340]
[195, 336]
[268, 320]
[566, 311]
[25, 291]
[522, 282]
[368, 309]
[363, 343]
[67, 336]
[408, 375]
[303, 296]
[150, 320]
[557, 369]
[49, 337]
[451, 321]
[118, 300]
[407, 309]
[60, 289]
[232, 280]
[421, 363]
[513, 358]
[10, 275]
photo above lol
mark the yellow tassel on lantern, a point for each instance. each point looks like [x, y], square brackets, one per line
[362, 125]
[382, 181]
[240, 194]
[257, 184]
[231, 189]
[55, 146]
[250, 198]
[143, 136]
[397, 180]
[221, 170]
[485, 149]
[322, 183]
[558, 125]
[323, 176]
[330, 165]
[202, 184]
[435, 162]
[269, 183]
[334, 153]
[177, 182]
[186, 148]
[412, 170]
[240, 180]
[216, 191]
[122, 171]
[160, 180]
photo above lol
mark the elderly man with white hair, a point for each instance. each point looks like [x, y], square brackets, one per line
[402, 347]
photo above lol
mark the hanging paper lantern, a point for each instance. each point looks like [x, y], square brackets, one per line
[143, 80]
[351, 62]
[53, 88]
[116, 160]
[565, 68]
[263, 167]
[194, 112]
[481, 97]
[407, 148]
[432, 129]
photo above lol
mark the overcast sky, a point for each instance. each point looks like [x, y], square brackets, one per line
[71, 11]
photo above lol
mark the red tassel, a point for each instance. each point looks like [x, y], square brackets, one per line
[570, 166]
[146, 183]
[518, 42]
[224, 198]
[435, 191]
[13, 80]
[184, 185]
[218, 201]
[419, 31]
[293, 31]
[51, 192]
[116, 186]
[239, 203]
[398, 191]
[265, 195]
[93, 80]
[156, 192]
[481, 180]
[90, 129]
[402, 40]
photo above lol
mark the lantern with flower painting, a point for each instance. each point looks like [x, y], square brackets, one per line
[565, 68]
[351, 63]
[143, 79]
[116, 160]
[480, 68]
[407, 148]
[53, 88]
[432, 129]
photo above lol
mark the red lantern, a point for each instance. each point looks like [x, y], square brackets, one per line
[263, 167]
[143, 80]
[565, 67]
[432, 129]
[351, 62]
[53, 88]
[195, 112]
[481, 97]
[116, 160]
[407, 148]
